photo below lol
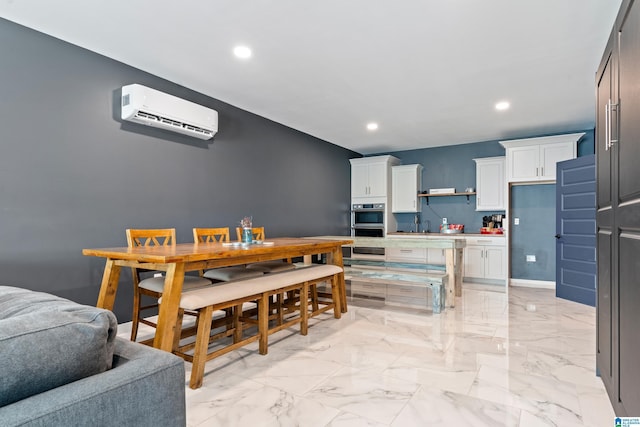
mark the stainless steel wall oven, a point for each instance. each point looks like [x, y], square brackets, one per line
[367, 220]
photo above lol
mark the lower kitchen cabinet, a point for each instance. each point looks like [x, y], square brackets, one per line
[417, 255]
[485, 259]
[413, 296]
[364, 289]
[436, 257]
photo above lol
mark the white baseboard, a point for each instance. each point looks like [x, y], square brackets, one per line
[525, 283]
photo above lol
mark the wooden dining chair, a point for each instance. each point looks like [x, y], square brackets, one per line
[153, 286]
[257, 232]
[211, 235]
[280, 302]
[223, 274]
[265, 266]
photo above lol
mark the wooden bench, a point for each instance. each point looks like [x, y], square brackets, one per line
[422, 277]
[232, 295]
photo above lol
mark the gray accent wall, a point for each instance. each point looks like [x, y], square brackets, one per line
[74, 176]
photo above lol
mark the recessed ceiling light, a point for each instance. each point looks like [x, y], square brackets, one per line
[502, 105]
[372, 126]
[242, 52]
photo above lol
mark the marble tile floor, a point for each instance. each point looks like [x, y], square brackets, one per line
[524, 359]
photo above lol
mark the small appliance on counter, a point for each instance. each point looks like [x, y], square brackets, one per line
[492, 224]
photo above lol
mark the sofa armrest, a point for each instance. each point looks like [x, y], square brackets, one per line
[145, 387]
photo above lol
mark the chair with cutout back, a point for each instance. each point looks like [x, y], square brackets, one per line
[153, 286]
[223, 274]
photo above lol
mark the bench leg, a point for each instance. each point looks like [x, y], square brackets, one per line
[314, 298]
[438, 298]
[263, 323]
[202, 344]
[237, 323]
[280, 308]
[336, 296]
[304, 308]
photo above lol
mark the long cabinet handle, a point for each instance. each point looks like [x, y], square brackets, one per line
[612, 108]
[608, 124]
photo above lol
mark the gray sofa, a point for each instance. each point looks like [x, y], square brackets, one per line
[61, 364]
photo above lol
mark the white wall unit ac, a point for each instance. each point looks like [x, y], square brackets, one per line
[150, 107]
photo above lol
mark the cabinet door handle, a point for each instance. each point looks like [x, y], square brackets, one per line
[536, 171]
[542, 171]
[609, 141]
[607, 124]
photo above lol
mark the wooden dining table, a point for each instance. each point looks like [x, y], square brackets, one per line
[177, 259]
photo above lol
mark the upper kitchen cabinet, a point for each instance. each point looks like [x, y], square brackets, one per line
[406, 184]
[490, 184]
[371, 176]
[534, 159]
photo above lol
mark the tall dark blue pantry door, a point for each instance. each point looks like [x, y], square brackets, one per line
[576, 230]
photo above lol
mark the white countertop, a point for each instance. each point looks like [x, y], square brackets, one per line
[441, 235]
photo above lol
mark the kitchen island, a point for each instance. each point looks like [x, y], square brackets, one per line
[452, 247]
[485, 255]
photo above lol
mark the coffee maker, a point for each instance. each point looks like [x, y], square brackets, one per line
[493, 221]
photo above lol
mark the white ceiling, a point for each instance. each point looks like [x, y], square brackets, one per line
[429, 72]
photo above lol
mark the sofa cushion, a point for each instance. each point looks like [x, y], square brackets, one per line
[47, 341]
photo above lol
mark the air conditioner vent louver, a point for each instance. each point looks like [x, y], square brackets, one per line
[153, 108]
[143, 115]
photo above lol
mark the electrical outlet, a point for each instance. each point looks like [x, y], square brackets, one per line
[444, 220]
[516, 221]
[531, 258]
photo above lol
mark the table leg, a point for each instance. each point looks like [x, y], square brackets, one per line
[458, 273]
[109, 285]
[169, 307]
[335, 258]
[449, 291]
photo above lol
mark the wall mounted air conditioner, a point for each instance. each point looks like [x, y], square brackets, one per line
[150, 107]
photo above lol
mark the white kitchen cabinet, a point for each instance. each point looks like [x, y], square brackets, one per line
[415, 255]
[407, 295]
[371, 176]
[534, 159]
[490, 183]
[436, 257]
[485, 259]
[364, 289]
[406, 183]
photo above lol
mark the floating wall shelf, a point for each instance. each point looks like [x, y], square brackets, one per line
[426, 196]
